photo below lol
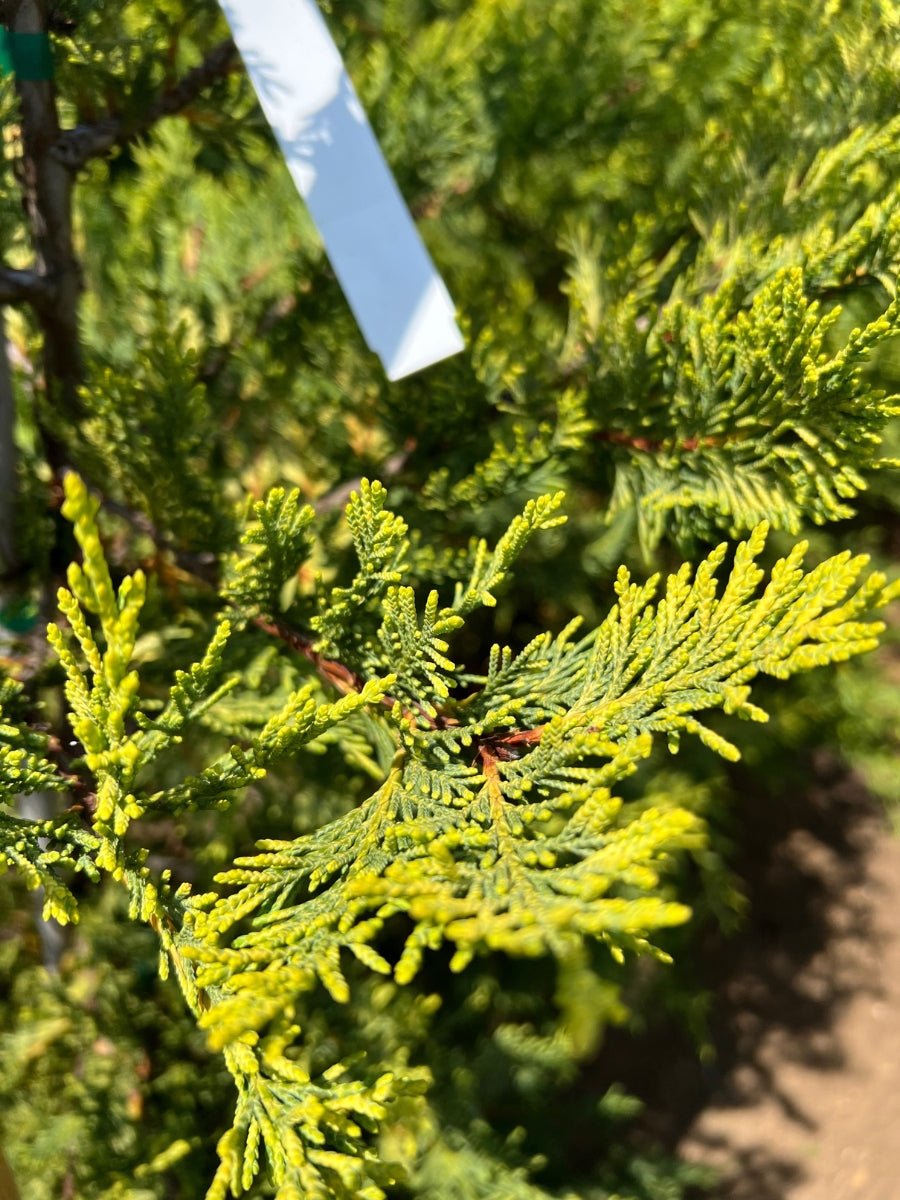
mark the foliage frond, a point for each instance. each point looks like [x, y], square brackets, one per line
[24, 765]
[279, 545]
[496, 828]
[319, 1137]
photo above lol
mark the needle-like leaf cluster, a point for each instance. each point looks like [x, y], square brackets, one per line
[494, 826]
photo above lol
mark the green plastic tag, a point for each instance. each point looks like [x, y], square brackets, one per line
[18, 616]
[6, 65]
[28, 55]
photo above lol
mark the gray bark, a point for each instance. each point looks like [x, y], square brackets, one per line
[47, 194]
[8, 462]
[23, 287]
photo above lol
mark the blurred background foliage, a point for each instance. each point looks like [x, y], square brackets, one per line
[578, 171]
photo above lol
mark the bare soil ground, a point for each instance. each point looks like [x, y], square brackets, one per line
[802, 1101]
[806, 1105]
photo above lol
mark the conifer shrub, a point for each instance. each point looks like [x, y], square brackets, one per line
[375, 725]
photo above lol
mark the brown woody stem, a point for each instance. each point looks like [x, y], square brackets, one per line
[77, 146]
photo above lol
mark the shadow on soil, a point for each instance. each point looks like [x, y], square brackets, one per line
[807, 948]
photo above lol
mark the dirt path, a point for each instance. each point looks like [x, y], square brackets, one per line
[805, 1101]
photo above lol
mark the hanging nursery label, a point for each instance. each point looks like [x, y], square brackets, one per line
[398, 298]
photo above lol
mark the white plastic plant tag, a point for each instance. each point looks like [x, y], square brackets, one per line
[400, 301]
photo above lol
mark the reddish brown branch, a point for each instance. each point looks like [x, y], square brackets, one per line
[338, 675]
[509, 744]
[653, 446]
[503, 746]
[331, 671]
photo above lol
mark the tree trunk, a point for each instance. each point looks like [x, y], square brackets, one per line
[46, 184]
[8, 476]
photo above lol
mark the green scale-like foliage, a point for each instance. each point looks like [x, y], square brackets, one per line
[730, 402]
[712, 202]
[650, 220]
[517, 853]
[715, 204]
[23, 763]
[494, 828]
